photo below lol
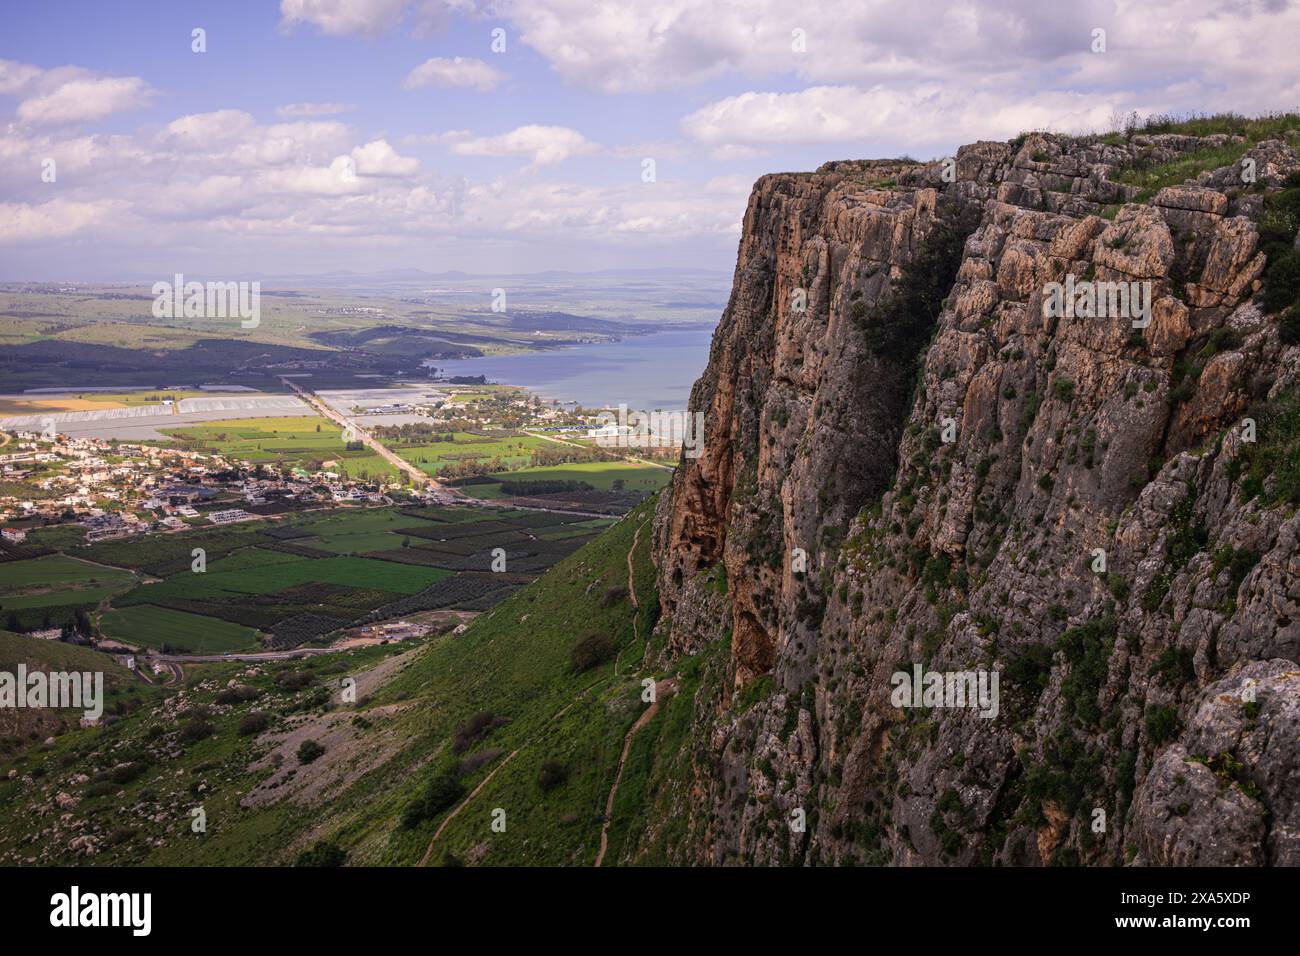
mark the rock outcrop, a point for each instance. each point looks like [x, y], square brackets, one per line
[913, 458]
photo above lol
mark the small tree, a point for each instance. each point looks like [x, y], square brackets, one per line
[551, 776]
[254, 723]
[322, 852]
[592, 649]
[309, 751]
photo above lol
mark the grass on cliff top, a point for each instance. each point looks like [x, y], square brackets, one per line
[18, 649]
[1151, 179]
[1253, 129]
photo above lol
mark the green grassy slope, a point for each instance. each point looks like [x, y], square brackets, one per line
[513, 663]
[25, 729]
[53, 655]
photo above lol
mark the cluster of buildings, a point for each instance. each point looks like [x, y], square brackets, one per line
[117, 489]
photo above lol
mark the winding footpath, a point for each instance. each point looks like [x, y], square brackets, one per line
[424, 860]
[663, 690]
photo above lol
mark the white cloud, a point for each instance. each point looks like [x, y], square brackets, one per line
[344, 16]
[205, 130]
[69, 95]
[15, 76]
[380, 159]
[235, 137]
[925, 116]
[458, 71]
[294, 110]
[1199, 54]
[544, 145]
[337, 179]
[56, 219]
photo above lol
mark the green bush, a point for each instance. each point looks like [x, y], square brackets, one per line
[551, 776]
[1162, 724]
[479, 725]
[1087, 649]
[591, 650]
[901, 323]
[322, 853]
[1282, 282]
[254, 723]
[1288, 327]
[128, 772]
[309, 751]
[195, 730]
[439, 795]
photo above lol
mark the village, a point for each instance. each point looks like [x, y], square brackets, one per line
[115, 489]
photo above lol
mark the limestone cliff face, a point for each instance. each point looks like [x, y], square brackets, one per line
[910, 459]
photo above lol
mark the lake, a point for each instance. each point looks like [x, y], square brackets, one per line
[644, 372]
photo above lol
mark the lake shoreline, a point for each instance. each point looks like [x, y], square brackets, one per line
[656, 370]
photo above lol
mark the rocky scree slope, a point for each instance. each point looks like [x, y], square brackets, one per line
[1159, 697]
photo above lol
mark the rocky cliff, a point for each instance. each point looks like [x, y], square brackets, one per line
[912, 458]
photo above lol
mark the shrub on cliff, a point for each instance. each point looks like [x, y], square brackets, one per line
[900, 325]
[254, 723]
[551, 776]
[475, 729]
[1282, 282]
[1289, 326]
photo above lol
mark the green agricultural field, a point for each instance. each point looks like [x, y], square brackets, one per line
[56, 570]
[135, 335]
[357, 532]
[58, 536]
[269, 578]
[249, 558]
[152, 396]
[162, 555]
[573, 530]
[434, 457]
[601, 475]
[179, 631]
[49, 591]
[81, 596]
[365, 467]
[288, 441]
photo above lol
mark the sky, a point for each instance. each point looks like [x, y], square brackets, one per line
[311, 136]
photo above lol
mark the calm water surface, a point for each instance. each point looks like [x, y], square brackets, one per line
[643, 371]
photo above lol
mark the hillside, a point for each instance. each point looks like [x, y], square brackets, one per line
[494, 717]
[23, 727]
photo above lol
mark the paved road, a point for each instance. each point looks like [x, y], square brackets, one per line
[421, 477]
[418, 476]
